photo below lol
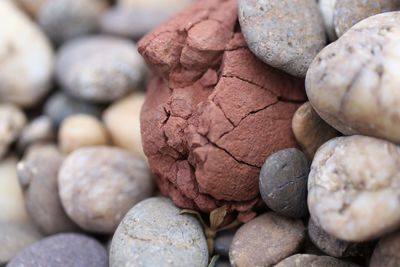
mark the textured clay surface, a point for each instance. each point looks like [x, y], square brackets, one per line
[213, 112]
[354, 188]
[306, 260]
[386, 252]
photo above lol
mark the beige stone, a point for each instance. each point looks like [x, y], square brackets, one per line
[354, 188]
[353, 84]
[327, 7]
[122, 120]
[310, 130]
[81, 130]
[12, 121]
[32, 7]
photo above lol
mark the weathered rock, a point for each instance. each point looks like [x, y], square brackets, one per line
[332, 246]
[15, 237]
[37, 173]
[99, 185]
[39, 131]
[63, 250]
[352, 84]
[80, 131]
[67, 19]
[327, 8]
[213, 112]
[12, 204]
[348, 12]
[153, 233]
[305, 260]
[122, 120]
[310, 130]
[23, 81]
[354, 188]
[283, 182]
[266, 240]
[285, 34]
[386, 253]
[87, 72]
[60, 106]
[12, 121]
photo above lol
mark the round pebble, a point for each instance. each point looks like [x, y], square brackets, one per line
[310, 130]
[352, 84]
[153, 233]
[386, 253]
[12, 121]
[122, 120]
[266, 240]
[327, 8]
[99, 185]
[348, 12]
[60, 106]
[306, 260]
[66, 19]
[223, 242]
[283, 182]
[354, 188]
[80, 131]
[39, 130]
[15, 237]
[37, 173]
[63, 250]
[12, 204]
[32, 7]
[332, 246]
[26, 58]
[289, 43]
[87, 72]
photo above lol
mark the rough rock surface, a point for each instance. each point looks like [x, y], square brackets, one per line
[306, 260]
[353, 83]
[354, 188]
[153, 233]
[386, 253]
[213, 112]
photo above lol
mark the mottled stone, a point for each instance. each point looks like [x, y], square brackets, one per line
[153, 233]
[26, 58]
[87, 72]
[37, 173]
[12, 121]
[348, 12]
[266, 240]
[285, 34]
[386, 253]
[305, 260]
[310, 130]
[63, 250]
[283, 182]
[99, 185]
[354, 188]
[352, 84]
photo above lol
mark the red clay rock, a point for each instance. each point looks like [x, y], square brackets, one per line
[214, 112]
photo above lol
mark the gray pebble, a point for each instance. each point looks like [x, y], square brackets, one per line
[348, 12]
[332, 246]
[222, 243]
[99, 68]
[14, 237]
[285, 34]
[60, 106]
[223, 263]
[66, 19]
[283, 182]
[153, 233]
[386, 252]
[39, 130]
[306, 260]
[37, 173]
[72, 250]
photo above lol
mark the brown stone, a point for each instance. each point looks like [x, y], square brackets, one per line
[214, 112]
[386, 252]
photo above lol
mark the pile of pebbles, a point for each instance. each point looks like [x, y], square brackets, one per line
[269, 129]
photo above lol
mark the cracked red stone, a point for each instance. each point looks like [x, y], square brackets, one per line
[213, 112]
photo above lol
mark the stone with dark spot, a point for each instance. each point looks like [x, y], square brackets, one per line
[283, 182]
[154, 233]
[63, 250]
[222, 243]
[306, 260]
[213, 112]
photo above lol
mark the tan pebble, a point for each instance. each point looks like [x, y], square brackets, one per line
[80, 131]
[32, 7]
[12, 121]
[310, 130]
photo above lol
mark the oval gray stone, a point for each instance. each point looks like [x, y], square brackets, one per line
[285, 34]
[153, 233]
[283, 182]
